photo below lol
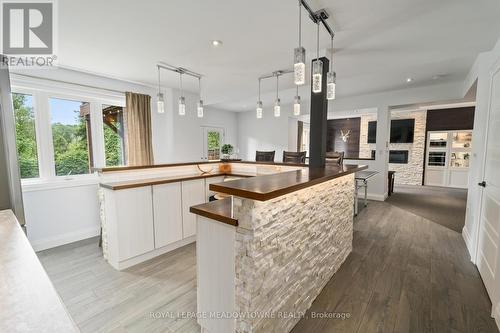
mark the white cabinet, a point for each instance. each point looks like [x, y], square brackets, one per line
[193, 193]
[167, 209]
[134, 222]
[211, 180]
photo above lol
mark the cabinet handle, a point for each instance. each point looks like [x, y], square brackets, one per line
[482, 184]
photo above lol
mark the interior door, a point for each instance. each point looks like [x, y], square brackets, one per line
[488, 259]
[213, 139]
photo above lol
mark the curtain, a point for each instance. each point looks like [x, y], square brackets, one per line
[300, 128]
[138, 133]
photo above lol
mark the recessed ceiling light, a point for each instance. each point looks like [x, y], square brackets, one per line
[409, 80]
[216, 43]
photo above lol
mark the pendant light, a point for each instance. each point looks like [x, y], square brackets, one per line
[296, 104]
[331, 79]
[317, 68]
[200, 103]
[258, 109]
[299, 56]
[161, 101]
[182, 100]
[277, 106]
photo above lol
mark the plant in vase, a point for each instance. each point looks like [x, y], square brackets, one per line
[226, 151]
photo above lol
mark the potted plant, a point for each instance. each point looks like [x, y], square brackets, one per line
[226, 151]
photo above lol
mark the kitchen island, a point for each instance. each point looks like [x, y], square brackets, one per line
[265, 253]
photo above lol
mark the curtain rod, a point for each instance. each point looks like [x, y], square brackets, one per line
[67, 82]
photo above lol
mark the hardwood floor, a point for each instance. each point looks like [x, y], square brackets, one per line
[405, 274]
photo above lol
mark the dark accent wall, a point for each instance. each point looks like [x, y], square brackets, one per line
[334, 140]
[450, 119]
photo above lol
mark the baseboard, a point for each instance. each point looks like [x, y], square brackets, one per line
[467, 240]
[150, 255]
[497, 316]
[375, 197]
[48, 243]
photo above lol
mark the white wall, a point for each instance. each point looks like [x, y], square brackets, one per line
[268, 133]
[182, 136]
[62, 211]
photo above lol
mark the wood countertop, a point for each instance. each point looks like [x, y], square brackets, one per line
[219, 210]
[126, 184]
[128, 168]
[28, 300]
[268, 187]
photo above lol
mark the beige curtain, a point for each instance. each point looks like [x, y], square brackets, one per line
[138, 134]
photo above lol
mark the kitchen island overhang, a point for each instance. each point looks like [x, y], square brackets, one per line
[264, 254]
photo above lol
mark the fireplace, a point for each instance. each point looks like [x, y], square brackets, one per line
[398, 156]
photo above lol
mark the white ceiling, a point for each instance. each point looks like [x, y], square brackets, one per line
[379, 43]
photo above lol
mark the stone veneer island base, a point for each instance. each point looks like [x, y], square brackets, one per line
[262, 268]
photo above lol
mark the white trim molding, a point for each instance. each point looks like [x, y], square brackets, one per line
[47, 243]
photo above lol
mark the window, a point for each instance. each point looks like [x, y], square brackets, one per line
[70, 121]
[25, 135]
[114, 142]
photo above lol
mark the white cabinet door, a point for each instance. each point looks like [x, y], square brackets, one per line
[211, 180]
[134, 222]
[167, 207]
[193, 193]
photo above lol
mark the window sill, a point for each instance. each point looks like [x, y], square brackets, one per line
[30, 185]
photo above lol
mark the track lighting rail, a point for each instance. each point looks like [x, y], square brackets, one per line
[276, 73]
[179, 70]
[319, 16]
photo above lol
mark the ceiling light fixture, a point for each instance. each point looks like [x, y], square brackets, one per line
[299, 55]
[317, 68]
[331, 78]
[296, 104]
[277, 103]
[182, 100]
[161, 101]
[409, 80]
[258, 109]
[216, 43]
[200, 103]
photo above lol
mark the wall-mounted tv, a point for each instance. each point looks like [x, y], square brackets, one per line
[402, 130]
[372, 132]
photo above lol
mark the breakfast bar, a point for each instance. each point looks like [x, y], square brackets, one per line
[265, 252]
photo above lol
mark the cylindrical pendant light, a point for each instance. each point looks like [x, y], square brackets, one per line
[299, 56]
[182, 100]
[296, 104]
[258, 109]
[200, 103]
[331, 79]
[161, 101]
[277, 103]
[317, 68]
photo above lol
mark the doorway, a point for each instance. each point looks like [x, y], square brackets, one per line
[213, 139]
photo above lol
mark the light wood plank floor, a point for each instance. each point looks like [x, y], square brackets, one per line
[406, 274]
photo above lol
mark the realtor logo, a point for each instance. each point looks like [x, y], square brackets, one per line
[27, 28]
[28, 34]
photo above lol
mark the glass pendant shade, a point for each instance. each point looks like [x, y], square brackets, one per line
[182, 106]
[161, 104]
[258, 110]
[317, 77]
[296, 106]
[299, 67]
[277, 108]
[331, 79]
[200, 109]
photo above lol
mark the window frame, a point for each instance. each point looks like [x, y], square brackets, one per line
[42, 90]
